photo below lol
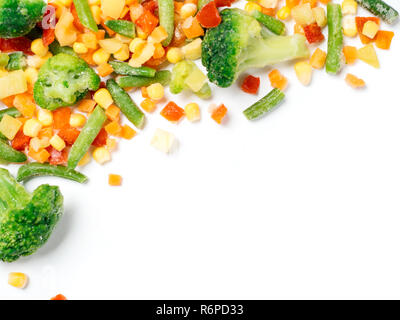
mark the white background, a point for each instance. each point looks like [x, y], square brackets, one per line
[301, 204]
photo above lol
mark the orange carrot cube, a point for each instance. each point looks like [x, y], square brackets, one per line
[127, 132]
[25, 104]
[113, 128]
[40, 156]
[354, 82]
[86, 105]
[318, 59]
[350, 54]
[219, 113]
[172, 112]
[192, 28]
[277, 80]
[113, 113]
[384, 39]
[104, 70]
[114, 180]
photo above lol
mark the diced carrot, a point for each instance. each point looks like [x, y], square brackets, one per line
[325, 1]
[209, 16]
[58, 157]
[144, 92]
[114, 180]
[360, 21]
[104, 70]
[318, 59]
[59, 297]
[159, 51]
[113, 128]
[178, 6]
[313, 3]
[113, 113]
[150, 5]
[277, 80]
[172, 112]
[61, 118]
[40, 156]
[298, 28]
[192, 28]
[292, 3]
[350, 54]
[313, 33]
[20, 141]
[251, 84]
[100, 35]
[86, 105]
[101, 139]
[384, 39]
[354, 82]
[46, 133]
[127, 132]
[219, 113]
[155, 63]
[25, 104]
[88, 57]
[269, 11]
[8, 101]
[69, 135]
[147, 21]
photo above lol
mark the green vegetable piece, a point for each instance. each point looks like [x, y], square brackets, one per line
[264, 105]
[380, 9]
[126, 104]
[335, 38]
[64, 80]
[19, 17]
[240, 42]
[86, 137]
[4, 58]
[122, 27]
[12, 112]
[85, 14]
[26, 220]
[163, 77]
[166, 14]
[274, 25]
[31, 170]
[8, 154]
[17, 61]
[125, 69]
[202, 3]
[55, 49]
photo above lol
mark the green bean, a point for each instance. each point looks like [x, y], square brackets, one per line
[122, 27]
[12, 112]
[85, 14]
[264, 105]
[56, 48]
[335, 38]
[163, 77]
[7, 153]
[166, 13]
[126, 104]
[31, 170]
[17, 61]
[380, 9]
[274, 25]
[125, 69]
[86, 137]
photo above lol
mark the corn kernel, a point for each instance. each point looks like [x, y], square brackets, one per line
[111, 45]
[370, 29]
[17, 279]
[45, 117]
[10, 126]
[101, 155]
[80, 48]
[155, 91]
[303, 71]
[57, 143]
[141, 34]
[251, 6]
[192, 112]
[158, 35]
[192, 51]
[114, 180]
[123, 53]
[349, 7]
[320, 16]
[31, 75]
[32, 128]
[38, 48]
[103, 98]
[283, 13]
[188, 10]
[174, 55]
[148, 105]
[354, 82]
[136, 45]
[318, 59]
[349, 26]
[101, 56]
[89, 40]
[77, 120]
[85, 160]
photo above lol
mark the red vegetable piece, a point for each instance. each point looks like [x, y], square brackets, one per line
[360, 21]
[147, 21]
[20, 141]
[61, 118]
[16, 44]
[48, 37]
[77, 23]
[101, 139]
[251, 84]
[58, 157]
[59, 297]
[313, 33]
[209, 16]
[224, 3]
[172, 112]
[150, 5]
[219, 114]
[69, 135]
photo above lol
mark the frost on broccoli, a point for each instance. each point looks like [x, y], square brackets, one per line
[240, 42]
[19, 17]
[26, 220]
[64, 80]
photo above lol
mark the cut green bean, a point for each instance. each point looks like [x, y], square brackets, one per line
[166, 14]
[55, 48]
[125, 69]
[126, 104]
[274, 25]
[86, 137]
[380, 9]
[12, 112]
[31, 170]
[163, 77]
[85, 14]
[17, 61]
[122, 27]
[264, 105]
[8, 154]
[335, 38]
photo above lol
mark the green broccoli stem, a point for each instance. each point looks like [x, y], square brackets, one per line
[31, 170]
[166, 14]
[85, 14]
[126, 104]
[8, 154]
[264, 105]
[335, 38]
[12, 193]
[380, 9]
[163, 77]
[125, 69]
[274, 25]
[122, 27]
[86, 137]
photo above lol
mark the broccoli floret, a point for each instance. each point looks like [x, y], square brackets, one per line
[187, 76]
[19, 17]
[26, 220]
[64, 80]
[240, 42]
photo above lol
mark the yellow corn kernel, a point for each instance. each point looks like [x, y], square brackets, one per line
[39, 48]
[17, 279]
[141, 34]
[349, 26]
[320, 16]
[66, 3]
[101, 56]
[174, 55]
[9, 126]
[31, 75]
[192, 112]
[77, 120]
[103, 98]
[32, 128]
[188, 10]
[349, 7]
[57, 143]
[123, 53]
[370, 29]
[303, 14]
[283, 13]
[101, 155]
[45, 117]
[155, 91]
[192, 51]
[96, 11]
[90, 40]
[303, 71]
[85, 160]
[136, 45]
[251, 6]
[80, 48]
[148, 105]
